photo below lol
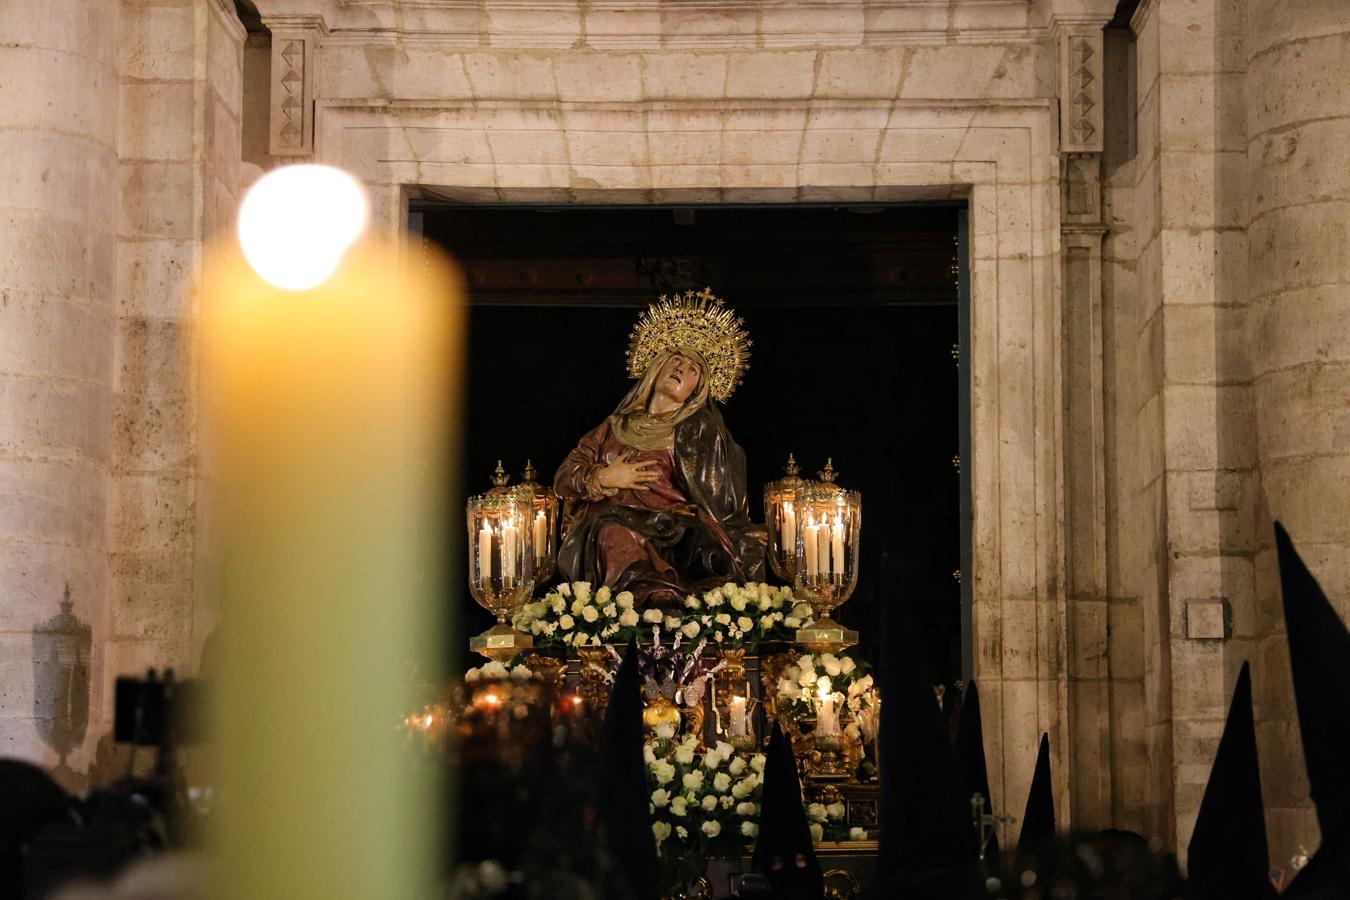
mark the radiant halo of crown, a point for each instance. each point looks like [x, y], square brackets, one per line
[693, 320]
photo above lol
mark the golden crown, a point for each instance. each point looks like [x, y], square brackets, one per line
[694, 320]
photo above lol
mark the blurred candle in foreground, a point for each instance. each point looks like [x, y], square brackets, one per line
[335, 396]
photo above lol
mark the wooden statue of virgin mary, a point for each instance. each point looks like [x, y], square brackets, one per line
[655, 495]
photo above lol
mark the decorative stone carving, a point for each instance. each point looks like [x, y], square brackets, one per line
[295, 45]
[1080, 88]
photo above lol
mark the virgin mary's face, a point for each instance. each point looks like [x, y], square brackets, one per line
[677, 378]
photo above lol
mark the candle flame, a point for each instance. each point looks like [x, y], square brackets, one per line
[491, 699]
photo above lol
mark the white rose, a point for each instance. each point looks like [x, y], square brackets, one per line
[737, 602]
[565, 589]
[691, 602]
[721, 782]
[737, 766]
[684, 755]
[649, 753]
[672, 623]
[817, 833]
[567, 623]
[660, 797]
[749, 829]
[726, 801]
[577, 606]
[693, 781]
[681, 831]
[652, 615]
[835, 810]
[808, 678]
[745, 808]
[830, 664]
[582, 589]
[690, 629]
[625, 599]
[740, 790]
[723, 619]
[709, 803]
[536, 627]
[847, 665]
[661, 830]
[662, 771]
[494, 669]
[559, 604]
[590, 614]
[628, 618]
[766, 622]
[816, 812]
[792, 622]
[757, 762]
[857, 834]
[711, 829]
[745, 623]
[712, 598]
[521, 673]
[610, 610]
[679, 806]
[602, 595]
[473, 675]
[665, 731]
[539, 610]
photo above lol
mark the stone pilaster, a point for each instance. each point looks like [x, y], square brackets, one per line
[295, 54]
[58, 225]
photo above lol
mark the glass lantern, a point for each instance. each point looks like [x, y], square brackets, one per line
[543, 525]
[780, 518]
[501, 563]
[829, 525]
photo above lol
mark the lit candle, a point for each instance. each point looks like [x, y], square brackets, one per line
[809, 538]
[837, 548]
[737, 716]
[485, 555]
[540, 537]
[789, 528]
[823, 549]
[510, 553]
[826, 723]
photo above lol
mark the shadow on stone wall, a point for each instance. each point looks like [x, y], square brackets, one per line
[61, 648]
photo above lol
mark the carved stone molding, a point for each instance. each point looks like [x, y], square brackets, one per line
[295, 48]
[1080, 87]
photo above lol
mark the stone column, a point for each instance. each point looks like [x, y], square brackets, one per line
[1298, 167]
[58, 221]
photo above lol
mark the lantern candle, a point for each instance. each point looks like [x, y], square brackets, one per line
[540, 537]
[837, 548]
[510, 553]
[826, 723]
[809, 538]
[789, 526]
[737, 716]
[823, 549]
[485, 555]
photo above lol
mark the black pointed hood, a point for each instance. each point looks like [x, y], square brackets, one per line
[784, 832]
[621, 784]
[970, 752]
[1228, 855]
[927, 833]
[1319, 658]
[1038, 822]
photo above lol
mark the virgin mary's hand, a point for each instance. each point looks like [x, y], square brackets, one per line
[623, 473]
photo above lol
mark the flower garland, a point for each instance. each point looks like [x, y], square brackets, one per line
[573, 615]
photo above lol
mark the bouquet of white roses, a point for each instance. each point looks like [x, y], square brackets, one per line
[815, 674]
[572, 615]
[496, 670]
[703, 803]
[736, 615]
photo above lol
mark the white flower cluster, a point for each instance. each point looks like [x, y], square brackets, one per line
[496, 670]
[744, 614]
[575, 616]
[822, 816]
[698, 796]
[732, 615]
[814, 675]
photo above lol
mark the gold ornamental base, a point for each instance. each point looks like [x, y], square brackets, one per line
[826, 636]
[501, 642]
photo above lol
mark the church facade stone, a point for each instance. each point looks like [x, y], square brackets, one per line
[1160, 322]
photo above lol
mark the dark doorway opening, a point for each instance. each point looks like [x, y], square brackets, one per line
[875, 290]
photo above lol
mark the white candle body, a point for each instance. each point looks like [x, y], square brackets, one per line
[540, 536]
[485, 555]
[789, 528]
[823, 549]
[826, 724]
[837, 548]
[737, 716]
[812, 559]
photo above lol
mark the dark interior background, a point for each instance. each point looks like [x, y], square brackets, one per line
[870, 291]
